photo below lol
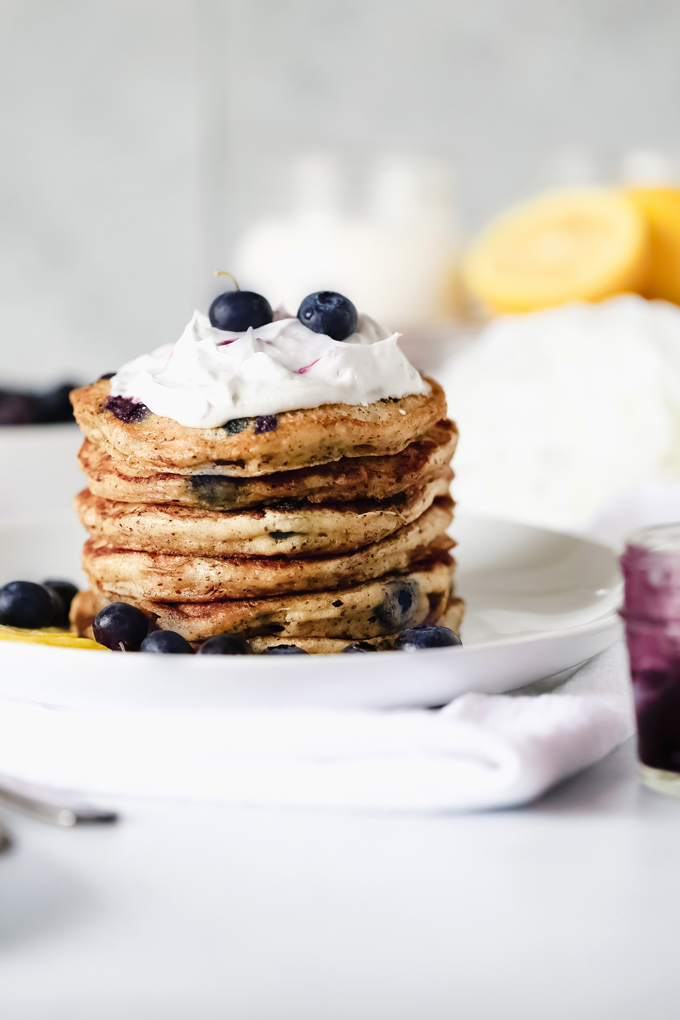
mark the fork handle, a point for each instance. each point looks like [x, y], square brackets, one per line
[52, 806]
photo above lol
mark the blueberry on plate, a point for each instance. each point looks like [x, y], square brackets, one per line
[330, 313]
[17, 408]
[54, 406]
[166, 642]
[120, 627]
[284, 650]
[225, 644]
[237, 310]
[426, 636]
[360, 646]
[63, 593]
[25, 604]
[50, 407]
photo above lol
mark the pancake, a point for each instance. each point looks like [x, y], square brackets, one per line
[343, 528]
[84, 608]
[165, 577]
[452, 619]
[342, 481]
[316, 645]
[250, 447]
[374, 609]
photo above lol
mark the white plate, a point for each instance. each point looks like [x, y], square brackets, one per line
[539, 602]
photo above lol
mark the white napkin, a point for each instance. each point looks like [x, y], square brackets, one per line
[481, 751]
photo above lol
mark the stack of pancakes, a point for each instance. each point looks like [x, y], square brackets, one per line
[318, 527]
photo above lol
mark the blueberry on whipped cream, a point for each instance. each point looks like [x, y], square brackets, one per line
[329, 312]
[239, 310]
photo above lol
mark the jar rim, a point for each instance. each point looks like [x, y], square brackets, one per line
[660, 538]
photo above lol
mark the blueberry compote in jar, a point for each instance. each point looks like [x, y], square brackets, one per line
[651, 610]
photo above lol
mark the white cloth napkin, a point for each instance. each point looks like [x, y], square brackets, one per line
[481, 751]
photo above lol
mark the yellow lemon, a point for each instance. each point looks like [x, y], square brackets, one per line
[48, 636]
[582, 245]
[661, 208]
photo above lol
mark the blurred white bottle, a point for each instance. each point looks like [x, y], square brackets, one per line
[650, 168]
[395, 258]
[412, 243]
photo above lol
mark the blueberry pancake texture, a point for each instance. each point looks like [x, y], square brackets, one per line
[342, 481]
[452, 618]
[267, 531]
[378, 608]
[249, 447]
[166, 577]
[269, 480]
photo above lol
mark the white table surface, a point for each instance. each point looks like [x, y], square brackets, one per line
[570, 908]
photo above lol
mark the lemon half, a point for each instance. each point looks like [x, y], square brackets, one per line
[580, 245]
[661, 208]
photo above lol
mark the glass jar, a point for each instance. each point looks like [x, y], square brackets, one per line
[651, 611]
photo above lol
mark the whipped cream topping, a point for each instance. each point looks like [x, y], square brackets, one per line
[210, 376]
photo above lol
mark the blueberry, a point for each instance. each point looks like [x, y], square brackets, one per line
[360, 646]
[25, 604]
[398, 605]
[120, 627]
[237, 310]
[167, 642]
[284, 650]
[63, 593]
[329, 313]
[266, 423]
[236, 425]
[126, 409]
[219, 491]
[54, 406]
[426, 636]
[225, 644]
[17, 408]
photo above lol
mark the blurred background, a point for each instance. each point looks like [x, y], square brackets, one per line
[358, 145]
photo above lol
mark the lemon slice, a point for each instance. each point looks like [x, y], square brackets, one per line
[565, 246]
[49, 636]
[661, 208]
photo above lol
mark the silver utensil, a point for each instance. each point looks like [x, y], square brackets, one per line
[58, 807]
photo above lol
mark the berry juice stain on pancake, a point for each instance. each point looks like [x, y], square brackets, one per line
[127, 410]
[217, 491]
[266, 423]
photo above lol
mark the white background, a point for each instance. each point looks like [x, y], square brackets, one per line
[139, 135]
